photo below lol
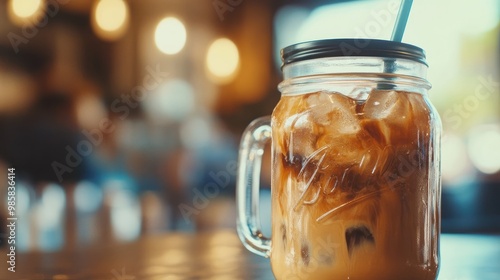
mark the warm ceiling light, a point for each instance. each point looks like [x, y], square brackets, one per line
[222, 60]
[111, 14]
[110, 18]
[25, 9]
[25, 12]
[170, 35]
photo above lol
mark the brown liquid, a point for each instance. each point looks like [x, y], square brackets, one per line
[354, 187]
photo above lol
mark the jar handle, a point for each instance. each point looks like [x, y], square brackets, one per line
[256, 135]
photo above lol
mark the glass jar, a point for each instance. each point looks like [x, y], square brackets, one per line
[356, 183]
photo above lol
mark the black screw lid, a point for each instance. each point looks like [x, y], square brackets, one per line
[351, 47]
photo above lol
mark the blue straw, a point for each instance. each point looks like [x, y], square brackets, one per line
[401, 20]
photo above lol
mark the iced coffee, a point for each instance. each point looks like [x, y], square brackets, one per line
[351, 187]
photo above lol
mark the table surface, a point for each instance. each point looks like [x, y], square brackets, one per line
[219, 255]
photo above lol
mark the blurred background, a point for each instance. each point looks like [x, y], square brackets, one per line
[122, 118]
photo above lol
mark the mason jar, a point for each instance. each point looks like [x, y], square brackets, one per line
[355, 145]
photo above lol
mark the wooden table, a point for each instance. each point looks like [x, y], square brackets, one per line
[220, 256]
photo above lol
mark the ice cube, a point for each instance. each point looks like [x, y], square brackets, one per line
[290, 124]
[338, 128]
[387, 116]
[360, 152]
[295, 134]
[299, 138]
[341, 150]
[334, 111]
[384, 104]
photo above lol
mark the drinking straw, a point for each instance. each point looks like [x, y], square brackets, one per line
[401, 20]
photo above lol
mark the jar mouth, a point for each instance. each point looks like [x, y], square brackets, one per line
[334, 72]
[346, 82]
[351, 65]
[363, 47]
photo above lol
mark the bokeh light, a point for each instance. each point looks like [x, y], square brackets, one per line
[483, 149]
[88, 197]
[25, 9]
[18, 90]
[53, 196]
[90, 111]
[173, 100]
[196, 133]
[125, 215]
[106, 8]
[51, 206]
[222, 60]
[110, 18]
[25, 12]
[24, 198]
[170, 35]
